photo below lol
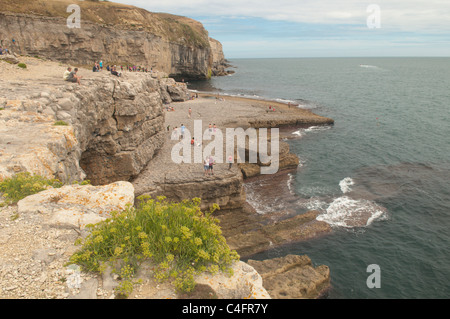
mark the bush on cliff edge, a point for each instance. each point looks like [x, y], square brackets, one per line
[180, 239]
[24, 184]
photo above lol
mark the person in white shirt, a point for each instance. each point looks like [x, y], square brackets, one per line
[67, 73]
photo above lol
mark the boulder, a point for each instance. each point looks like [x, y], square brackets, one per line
[76, 206]
[9, 58]
[245, 283]
[293, 277]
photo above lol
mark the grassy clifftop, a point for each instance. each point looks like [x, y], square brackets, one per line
[176, 29]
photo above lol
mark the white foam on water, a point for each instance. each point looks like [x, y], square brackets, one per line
[289, 183]
[285, 101]
[313, 129]
[351, 213]
[316, 204]
[368, 66]
[345, 185]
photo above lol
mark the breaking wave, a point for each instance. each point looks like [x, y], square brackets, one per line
[345, 185]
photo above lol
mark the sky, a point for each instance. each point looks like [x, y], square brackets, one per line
[318, 28]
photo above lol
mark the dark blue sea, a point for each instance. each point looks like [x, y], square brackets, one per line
[380, 175]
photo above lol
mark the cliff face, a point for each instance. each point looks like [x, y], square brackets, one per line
[115, 125]
[113, 33]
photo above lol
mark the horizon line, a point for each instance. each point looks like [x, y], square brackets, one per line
[342, 57]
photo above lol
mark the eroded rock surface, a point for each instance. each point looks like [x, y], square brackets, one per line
[293, 277]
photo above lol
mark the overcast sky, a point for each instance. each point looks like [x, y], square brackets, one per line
[318, 28]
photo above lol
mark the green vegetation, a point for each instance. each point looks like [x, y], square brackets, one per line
[24, 184]
[177, 237]
[22, 65]
[60, 123]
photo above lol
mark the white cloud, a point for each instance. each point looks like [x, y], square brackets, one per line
[402, 15]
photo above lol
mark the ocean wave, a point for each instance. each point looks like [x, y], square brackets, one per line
[286, 101]
[345, 185]
[368, 66]
[350, 213]
[312, 129]
[289, 183]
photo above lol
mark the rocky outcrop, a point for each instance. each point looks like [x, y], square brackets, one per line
[114, 127]
[9, 58]
[219, 63]
[113, 33]
[76, 206]
[30, 142]
[293, 277]
[163, 177]
[37, 243]
[286, 161]
[250, 233]
[244, 283]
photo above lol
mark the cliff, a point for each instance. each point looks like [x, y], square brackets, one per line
[114, 125]
[114, 33]
[116, 131]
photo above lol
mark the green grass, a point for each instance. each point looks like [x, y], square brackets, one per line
[24, 184]
[60, 123]
[177, 237]
[22, 65]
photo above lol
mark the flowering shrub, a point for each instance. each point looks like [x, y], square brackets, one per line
[24, 184]
[180, 239]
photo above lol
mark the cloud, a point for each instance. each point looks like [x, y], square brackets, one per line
[267, 28]
[411, 15]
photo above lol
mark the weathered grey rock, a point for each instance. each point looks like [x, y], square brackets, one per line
[76, 206]
[245, 283]
[116, 128]
[293, 277]
[183, 50]
[9, 58]
[88, 290]
[45, 255]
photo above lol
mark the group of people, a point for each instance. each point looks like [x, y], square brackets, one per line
[135, 68]
[3, 50]
[98, 66]
[72, 76]
[208, 165]
[209, 162]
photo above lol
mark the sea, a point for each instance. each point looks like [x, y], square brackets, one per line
[380, 176]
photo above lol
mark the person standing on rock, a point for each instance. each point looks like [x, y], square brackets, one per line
[211, 164]
[175, 133]
[100, 64]
[183, 128]
[206, 165]
[230, 162]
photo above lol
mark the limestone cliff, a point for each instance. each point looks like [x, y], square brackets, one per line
[115, 126]
[113, 33]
